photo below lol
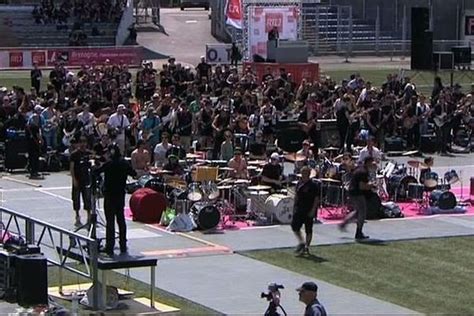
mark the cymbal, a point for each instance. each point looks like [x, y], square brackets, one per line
[256, 162]
[259, 188]
[192, 156]
[295, 157]
[410, 153]
[330, 148]
[160, 171]
[252, 168]
[312, 174]
[224, 187]
[241, 181]
[259, 193]
[330, 180]
[414, 163]
[226, 169]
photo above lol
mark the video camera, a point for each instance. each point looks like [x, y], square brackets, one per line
[272, 288]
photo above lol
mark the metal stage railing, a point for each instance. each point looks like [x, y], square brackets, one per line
[60, 241]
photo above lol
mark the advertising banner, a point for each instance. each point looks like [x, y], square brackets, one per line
[234, 14]
[218, 54]
[71, 56]
[264, 19]
[308, 71]
[468, 27]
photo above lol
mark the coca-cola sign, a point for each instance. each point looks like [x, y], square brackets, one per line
[273, 20]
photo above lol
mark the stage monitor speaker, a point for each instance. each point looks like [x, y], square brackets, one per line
[462, 55]
[258, 59]
[420, 21]
[329, 134]
[291, 139]
[421, 49]
[443, 61]
[31, 280]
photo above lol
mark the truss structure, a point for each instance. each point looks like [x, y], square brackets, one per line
[249, 4]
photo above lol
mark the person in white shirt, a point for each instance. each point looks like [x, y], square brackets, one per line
[119, 122]
[160, 150]
[370, 151]
[423, 109]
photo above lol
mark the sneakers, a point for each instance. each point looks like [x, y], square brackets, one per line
[77, 222]
[361, 237]
[299, 249]
[342, 227]
[306, 251]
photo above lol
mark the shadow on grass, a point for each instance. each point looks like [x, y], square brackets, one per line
[313, 258]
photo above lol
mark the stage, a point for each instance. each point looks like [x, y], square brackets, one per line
[208, 258]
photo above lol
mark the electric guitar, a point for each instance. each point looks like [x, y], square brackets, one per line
[443, 119]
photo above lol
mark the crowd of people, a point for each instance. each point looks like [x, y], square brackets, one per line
[55, 12]
[218, 108]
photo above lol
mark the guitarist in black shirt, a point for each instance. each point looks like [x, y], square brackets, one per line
[442, 122]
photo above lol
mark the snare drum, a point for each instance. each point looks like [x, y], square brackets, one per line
[194, 192]
[431, 180]
[280, 208]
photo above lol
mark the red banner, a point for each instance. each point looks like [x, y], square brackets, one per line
[16, 59]
[308, 71]
[234, 14]
[87, 56]
[274, 19]
[39, 58]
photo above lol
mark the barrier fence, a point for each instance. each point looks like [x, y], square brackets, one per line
[56, 242]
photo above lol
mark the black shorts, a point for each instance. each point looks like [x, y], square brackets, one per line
[301, 218]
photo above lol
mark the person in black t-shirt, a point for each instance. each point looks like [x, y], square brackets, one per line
[272, 173]
[360, 188]
[116, 171]
[305, 209]
[79, 168]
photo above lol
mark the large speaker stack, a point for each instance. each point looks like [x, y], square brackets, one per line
[23, 279]
[421, 40]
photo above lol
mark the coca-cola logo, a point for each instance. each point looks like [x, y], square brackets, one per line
[38, 58]
[274, 20]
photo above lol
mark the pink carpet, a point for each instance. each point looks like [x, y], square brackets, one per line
[409, 209]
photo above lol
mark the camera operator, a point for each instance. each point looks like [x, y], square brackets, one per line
[308, 294]
[116, 170]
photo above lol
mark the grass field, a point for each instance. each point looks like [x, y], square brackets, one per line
[139, 288]
[428, 276]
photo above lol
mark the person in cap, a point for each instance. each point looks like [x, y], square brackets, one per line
[173, 166]
[119, 122]
[272, 172]
[308, 294]
[360, 188]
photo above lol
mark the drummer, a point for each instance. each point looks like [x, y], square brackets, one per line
[141, 159]
[306, 152]
[272, 173]
[370, 151]
[173, 166]
[239, 165]
[429, 162]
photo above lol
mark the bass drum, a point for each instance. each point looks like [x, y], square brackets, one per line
[374, 207]
[444, 200]
[205, 216]
[398, 185]
[280, 208]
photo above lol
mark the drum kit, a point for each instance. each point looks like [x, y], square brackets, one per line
[433, 191]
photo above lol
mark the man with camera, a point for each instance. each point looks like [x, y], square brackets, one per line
[308, 294]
